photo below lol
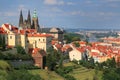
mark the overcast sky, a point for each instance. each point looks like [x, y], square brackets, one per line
[97, 14]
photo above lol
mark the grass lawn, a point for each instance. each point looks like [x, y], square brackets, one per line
[82, 73]
[46, 75]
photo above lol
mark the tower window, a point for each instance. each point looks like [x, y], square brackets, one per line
[39, 39]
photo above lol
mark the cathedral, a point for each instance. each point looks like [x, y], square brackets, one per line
[28, 23]
[34, 24]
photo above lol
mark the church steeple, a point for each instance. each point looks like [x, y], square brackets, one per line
[29, 20]
[35, 14]
[35, 22]
[21, 19]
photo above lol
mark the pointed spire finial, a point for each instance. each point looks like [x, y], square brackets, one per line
[21, 19]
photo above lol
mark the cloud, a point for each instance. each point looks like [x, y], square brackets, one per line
[88, 2]
[70, 3]
[53, 2]
[107, 14]
[75, 13]
[56, 9]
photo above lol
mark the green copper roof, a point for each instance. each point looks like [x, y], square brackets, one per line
[35, 14]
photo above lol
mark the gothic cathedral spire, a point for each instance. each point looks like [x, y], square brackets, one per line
[29, 20]
[21, 19]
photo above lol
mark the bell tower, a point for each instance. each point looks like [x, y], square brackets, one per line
[35, 22]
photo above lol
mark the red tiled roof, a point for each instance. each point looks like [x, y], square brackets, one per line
[39, 35]
[58, 46]
[82, 42]
[81, 49]
[35, 50]
[53, 42]
[94, 54]
[2, 31]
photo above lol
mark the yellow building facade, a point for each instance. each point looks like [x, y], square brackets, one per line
[26, 38]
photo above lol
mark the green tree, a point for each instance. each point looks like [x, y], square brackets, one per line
[51, 59]
[77, 44]
[111, 63]
[0, 40]
[20, 49]
[3, 43]
[76, 38]
[110, 74]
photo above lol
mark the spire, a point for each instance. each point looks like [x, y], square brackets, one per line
[29, 20]
[21, 19]
[29, 17]
[35, 14]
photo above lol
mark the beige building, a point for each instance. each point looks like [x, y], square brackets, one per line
[15, 37]
[75, 55]
[42, 41]
[57, 33]
[27, 38]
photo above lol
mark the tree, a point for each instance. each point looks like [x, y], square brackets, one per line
[76, 44]
[76, 39]
[110, 63]
[70, 37]
[0, 40]
[110, 74]
[20, 50]
[51, 59]
[3, 43]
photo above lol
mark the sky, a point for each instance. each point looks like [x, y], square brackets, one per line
[87, 14]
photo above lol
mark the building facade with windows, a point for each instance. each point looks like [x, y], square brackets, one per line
[27, 38]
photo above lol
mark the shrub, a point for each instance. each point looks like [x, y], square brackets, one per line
[4, 65]
[69, 77]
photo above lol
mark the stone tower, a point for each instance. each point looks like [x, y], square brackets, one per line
[35, 23]
[21, 19]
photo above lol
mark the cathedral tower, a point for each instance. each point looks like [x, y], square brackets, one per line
[21, 19]
[35, 23]
[29, 20]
